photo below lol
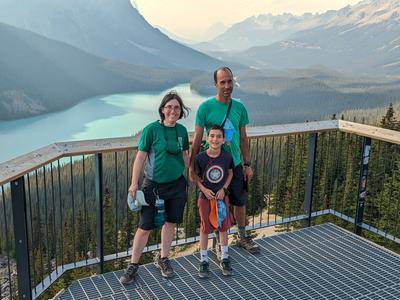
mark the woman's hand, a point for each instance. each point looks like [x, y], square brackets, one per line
[132, 190]
[220, 194]
[208, 193]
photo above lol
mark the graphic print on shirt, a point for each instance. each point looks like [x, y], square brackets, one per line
[215, 174]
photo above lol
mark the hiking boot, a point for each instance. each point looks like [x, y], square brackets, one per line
[204, 269]
[164, 265]
[226, 268]
[248, 244]
[129, 274]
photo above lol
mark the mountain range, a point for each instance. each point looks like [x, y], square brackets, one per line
[298, 95]
[39, 75]
[362, 38]
[110, 29]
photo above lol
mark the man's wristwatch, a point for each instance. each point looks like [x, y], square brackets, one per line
[247, 164]
[225, 191]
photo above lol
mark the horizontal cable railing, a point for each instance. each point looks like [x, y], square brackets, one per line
[63, 207]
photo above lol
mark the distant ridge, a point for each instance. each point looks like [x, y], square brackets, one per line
[361, 38]
[39, 75]
[111, 29]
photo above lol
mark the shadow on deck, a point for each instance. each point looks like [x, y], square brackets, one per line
[319, 262]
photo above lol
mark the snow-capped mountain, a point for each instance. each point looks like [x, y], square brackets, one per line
[266, 29]
[360, 38]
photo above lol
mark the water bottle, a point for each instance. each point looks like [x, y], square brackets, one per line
[159, 218]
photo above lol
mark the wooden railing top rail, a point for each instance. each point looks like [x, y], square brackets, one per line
[24, 164]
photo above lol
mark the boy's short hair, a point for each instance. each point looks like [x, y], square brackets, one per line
[216, 127]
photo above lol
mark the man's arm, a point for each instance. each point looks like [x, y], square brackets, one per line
[198, 136]
[244, 150]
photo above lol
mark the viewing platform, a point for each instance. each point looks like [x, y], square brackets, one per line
[319, 262]
[331, 189]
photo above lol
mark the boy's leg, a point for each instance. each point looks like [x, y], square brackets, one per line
[225, 263]
[204, 266]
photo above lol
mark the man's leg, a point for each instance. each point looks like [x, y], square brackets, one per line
[238, 198]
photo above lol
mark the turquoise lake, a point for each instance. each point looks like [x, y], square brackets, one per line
[116, 115]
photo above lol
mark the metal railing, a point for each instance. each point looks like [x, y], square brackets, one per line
[63, 207]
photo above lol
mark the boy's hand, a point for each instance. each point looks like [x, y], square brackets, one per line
[220, 194]
[208, 193]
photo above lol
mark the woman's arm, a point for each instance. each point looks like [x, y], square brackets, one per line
[137, 168]
[186, 158]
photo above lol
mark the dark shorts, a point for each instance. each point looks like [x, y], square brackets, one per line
[175, 196]
[238, 187]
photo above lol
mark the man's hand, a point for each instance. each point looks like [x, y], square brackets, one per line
[247, 173]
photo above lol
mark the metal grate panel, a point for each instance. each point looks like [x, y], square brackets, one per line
[319, 262]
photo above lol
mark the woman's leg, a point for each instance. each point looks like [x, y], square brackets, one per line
[167, 235]
[139, 242]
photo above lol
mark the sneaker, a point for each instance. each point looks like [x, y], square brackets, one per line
[248, 244]
[204, 269]
[164, 265]
[129, 274]
[226, 268]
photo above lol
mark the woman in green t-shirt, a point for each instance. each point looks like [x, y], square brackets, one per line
[164, 146]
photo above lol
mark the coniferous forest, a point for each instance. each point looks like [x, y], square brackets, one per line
[62, 209]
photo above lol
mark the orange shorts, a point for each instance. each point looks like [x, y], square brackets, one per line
[204, 210]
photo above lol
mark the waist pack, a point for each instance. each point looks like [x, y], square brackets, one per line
[217, 212]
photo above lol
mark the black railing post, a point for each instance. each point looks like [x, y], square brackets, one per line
[308, 196]
[362, 185]
[21, 238]
[100, 220]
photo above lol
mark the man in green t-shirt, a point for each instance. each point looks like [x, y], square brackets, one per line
[232, 116]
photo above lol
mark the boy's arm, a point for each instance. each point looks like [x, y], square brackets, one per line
[221, 193]
[207, 192]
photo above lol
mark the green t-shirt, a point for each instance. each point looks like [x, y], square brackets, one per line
[164, 146]
[212, 112]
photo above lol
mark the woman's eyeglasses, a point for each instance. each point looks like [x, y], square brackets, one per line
[177, 148]
[171, 107]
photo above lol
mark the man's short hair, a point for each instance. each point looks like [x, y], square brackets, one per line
[224, 69]
[216, 127]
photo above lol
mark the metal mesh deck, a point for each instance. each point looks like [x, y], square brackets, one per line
[320, 262]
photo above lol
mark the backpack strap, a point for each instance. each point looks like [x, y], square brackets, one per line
[227, 113]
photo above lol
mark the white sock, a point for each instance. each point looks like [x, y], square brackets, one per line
[203, 255]
[224, 252]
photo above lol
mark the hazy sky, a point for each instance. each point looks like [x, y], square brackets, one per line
[191, 18]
